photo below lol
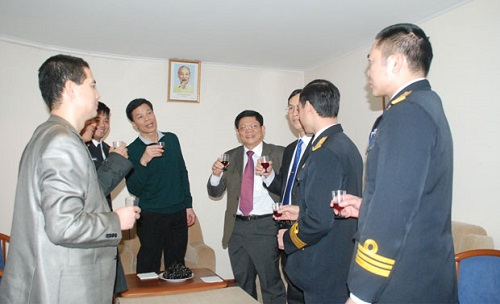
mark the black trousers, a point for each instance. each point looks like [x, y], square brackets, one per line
[159, 234]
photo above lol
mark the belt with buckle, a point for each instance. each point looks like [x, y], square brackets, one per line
[251, 217]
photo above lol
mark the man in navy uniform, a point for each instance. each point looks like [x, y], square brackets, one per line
[320, 245]
[404, 250]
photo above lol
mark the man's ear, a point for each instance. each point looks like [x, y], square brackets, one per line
[395, 62]
[69, 88]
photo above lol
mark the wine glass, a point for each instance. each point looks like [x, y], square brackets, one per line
[340, 196]
[118, 143]
[277, 209]
[225, 161]
[264, 161]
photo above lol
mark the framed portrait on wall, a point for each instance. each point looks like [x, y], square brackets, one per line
[184, 80]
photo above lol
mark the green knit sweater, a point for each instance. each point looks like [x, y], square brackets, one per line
[163, 185]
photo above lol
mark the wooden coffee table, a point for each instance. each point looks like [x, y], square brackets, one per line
[155, 287]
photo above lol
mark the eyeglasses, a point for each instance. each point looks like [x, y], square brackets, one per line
[291, 108]
[248, 127]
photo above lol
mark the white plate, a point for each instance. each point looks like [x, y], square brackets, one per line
[175, 280]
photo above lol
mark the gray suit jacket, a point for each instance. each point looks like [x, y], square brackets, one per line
[63, 237]
[231, 180]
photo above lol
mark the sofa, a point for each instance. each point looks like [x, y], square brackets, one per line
[469, 236]
[198, 254]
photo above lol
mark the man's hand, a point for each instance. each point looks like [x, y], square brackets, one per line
[350, 206]
[128, 215]
[122, 150]
[259, 170]
[151, 152]
[288, 212]
[191, 216]
[218, 167]
[281, 245]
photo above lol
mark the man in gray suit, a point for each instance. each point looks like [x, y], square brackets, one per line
[250, 234]
[64, 236]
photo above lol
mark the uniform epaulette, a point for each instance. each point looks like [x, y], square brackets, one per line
[319, 143]
[294, 230]
[399, 99]
[367, 258]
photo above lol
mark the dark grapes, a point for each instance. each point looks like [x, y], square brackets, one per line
[177, 271]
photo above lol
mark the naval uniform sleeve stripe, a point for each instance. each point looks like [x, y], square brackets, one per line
[294, 230]
[372, 269]
[367, 258]
[373, 254]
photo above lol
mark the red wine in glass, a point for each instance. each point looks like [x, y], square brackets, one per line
[264, 161]
[225, 161]
[277, 209]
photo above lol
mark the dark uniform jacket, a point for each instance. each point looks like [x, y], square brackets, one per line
[405, 251]
[320, 246]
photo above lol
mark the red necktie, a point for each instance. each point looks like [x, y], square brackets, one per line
[246, 197]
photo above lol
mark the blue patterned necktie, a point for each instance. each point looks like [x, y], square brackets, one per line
[286, 199]
[246, 197]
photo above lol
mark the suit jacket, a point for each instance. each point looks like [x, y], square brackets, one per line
[231, 181]
[64, 237]
[111, 171]
[320, 245]
[406, 210]
[278, 185]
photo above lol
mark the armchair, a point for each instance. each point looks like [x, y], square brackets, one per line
[478, 273]
[4, 240]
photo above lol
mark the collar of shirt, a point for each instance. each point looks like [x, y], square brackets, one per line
[405, 85]
[147, 141]
[95, 142]
[305, 139]
[317, 135]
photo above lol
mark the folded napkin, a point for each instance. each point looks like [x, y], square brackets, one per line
[147, 275]
[212, 279]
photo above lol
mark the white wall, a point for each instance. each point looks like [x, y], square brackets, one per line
[465, 72]
[205, 130]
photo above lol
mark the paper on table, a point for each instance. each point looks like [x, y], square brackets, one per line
[212, 279]
[147, 275]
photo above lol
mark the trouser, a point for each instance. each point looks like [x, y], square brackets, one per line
[159, 234]
[253, 250]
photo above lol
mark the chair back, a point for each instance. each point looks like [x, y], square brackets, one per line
[4, 240]
[478, 274]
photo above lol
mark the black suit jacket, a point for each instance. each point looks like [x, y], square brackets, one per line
[278, 184]
[96, 153]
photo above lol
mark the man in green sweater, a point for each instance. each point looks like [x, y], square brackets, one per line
[160, 181]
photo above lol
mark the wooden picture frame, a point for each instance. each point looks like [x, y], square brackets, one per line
[184, 80]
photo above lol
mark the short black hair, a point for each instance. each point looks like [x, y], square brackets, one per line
[294, 92]
[53, 74]
[248, 113]
[411, 41]
[323, 95]
[102, 108]
[134, 104]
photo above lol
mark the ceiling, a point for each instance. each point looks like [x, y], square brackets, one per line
[283, 34]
